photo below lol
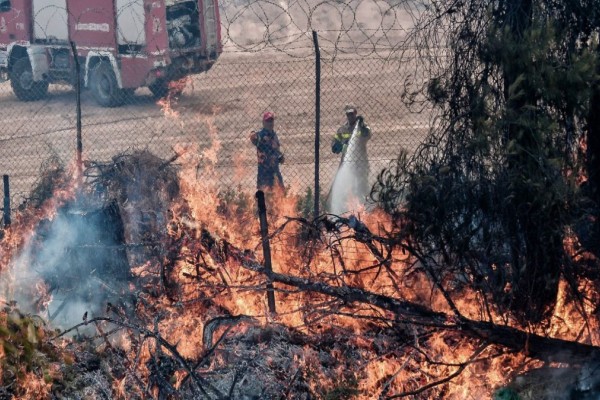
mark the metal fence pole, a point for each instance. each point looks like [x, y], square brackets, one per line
[78, 100]
[264, 232]
[6, 200]
[317, 120]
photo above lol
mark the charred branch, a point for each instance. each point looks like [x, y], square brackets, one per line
[446, 379]
[202, 385]
[533, 345]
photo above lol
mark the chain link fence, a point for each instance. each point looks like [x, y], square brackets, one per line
[215, 113]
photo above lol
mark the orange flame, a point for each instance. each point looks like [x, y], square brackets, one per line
[210, 284]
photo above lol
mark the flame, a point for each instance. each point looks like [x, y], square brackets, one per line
[169, 102]
[37, 388]
[20, 232]
[166, 104]
[119, 389]
[208, 285]
[203, 201]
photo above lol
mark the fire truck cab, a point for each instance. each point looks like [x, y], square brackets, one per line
[121, 44]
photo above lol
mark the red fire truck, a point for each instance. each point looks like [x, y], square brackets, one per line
[121, 44]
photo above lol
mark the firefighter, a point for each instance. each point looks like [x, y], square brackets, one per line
[357, 155]
[268, 151]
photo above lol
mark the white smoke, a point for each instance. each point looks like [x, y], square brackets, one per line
[71, 256]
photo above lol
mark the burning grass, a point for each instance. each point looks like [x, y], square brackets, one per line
[187, 317]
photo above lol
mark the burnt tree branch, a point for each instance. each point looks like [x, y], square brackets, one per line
[200, 383]
[532, 345]
[439, 382]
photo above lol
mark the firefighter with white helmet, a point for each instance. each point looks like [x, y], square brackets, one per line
[357, 153]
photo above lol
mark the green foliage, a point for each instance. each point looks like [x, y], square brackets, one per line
[345, 391]
[306, 203]
[21, 337]
[234, 202]
[26, 350]
[32, 366]
[490, 194]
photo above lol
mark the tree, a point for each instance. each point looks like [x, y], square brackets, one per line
[490, 198]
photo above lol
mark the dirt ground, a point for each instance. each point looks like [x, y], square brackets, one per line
[231, 97]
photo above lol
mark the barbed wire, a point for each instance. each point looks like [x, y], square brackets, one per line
[357, 27]
[345, 27]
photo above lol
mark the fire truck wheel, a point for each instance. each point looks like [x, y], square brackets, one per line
[22, 83]
[104, 85]
[128, 94]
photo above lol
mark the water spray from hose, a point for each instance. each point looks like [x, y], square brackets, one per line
[346, 193]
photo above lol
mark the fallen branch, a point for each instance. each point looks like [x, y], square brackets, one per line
[446, 379]
[532, 345]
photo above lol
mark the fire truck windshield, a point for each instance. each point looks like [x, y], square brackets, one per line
[4, 5]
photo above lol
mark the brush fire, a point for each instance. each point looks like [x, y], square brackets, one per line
[145, 280]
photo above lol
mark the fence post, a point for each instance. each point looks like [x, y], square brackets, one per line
[316, 211]
[6, 200]
[264, 233]
[78, 101]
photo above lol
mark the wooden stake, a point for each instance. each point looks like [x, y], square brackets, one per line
[264, 232]
[6, 201]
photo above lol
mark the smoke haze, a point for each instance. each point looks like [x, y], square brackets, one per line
[353, 26]
[78, 259]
